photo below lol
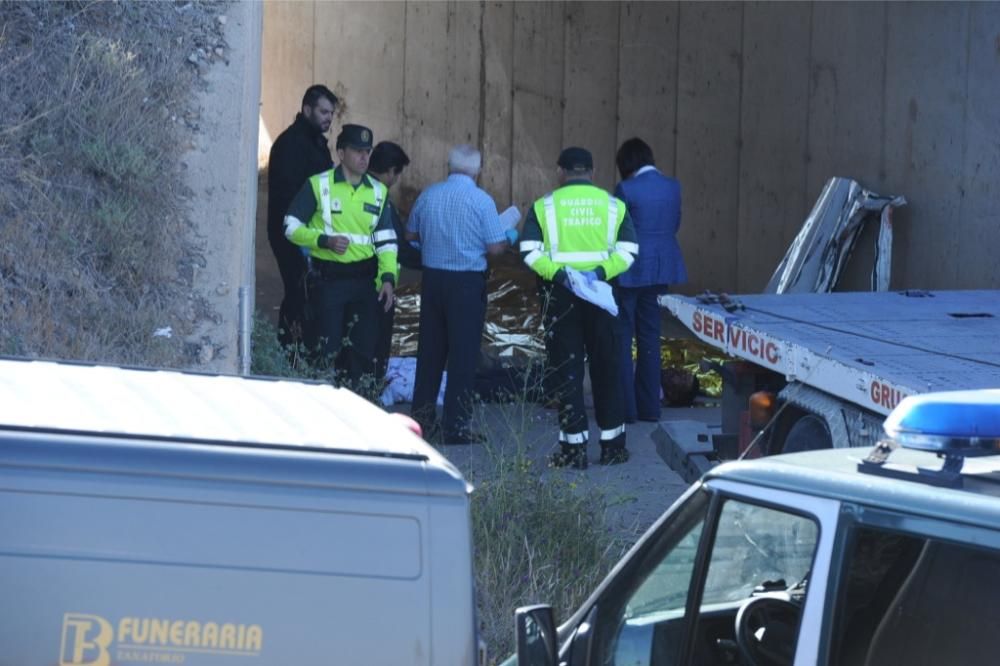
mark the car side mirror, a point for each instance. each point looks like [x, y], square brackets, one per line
[536, 636]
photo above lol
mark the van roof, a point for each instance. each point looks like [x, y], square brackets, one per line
[186, 406]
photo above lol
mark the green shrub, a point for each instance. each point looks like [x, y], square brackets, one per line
[270, 359]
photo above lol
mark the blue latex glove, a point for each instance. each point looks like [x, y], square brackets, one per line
[511, 235]
[590, 275]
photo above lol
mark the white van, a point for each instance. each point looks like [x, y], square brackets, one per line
[164, 517]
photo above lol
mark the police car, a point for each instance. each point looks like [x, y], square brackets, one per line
[861, 557]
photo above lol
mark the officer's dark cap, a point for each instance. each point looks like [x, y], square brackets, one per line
[576, 159]
[354, 136]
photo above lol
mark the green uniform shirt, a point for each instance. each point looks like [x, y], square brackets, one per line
[334, 207]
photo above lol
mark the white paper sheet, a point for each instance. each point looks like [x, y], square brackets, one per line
[510, 217]
[597, 292]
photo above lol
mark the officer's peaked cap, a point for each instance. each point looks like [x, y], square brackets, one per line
[354, 136]
[576, 159]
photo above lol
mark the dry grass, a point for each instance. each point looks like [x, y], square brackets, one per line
[540, 537]
[92, 252]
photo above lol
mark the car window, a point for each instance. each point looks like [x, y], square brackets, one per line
[667, 586]
[757, 547]
[647, 613]
[907, 599]
[756, 551]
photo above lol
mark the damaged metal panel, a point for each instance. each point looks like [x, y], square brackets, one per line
[816, 258]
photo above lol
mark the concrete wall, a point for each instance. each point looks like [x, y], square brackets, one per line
[752, 105]
[220, 173]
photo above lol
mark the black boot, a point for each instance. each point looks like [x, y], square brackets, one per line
[574, 455]
[613, 455]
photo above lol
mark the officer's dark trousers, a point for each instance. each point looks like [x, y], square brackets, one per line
[345, 313]
[575, 328]
[639, 318]
[452, 312]
[383, 341]
[292, 266]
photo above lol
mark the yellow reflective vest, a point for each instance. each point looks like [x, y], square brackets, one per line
[355, 212]
[580, 224]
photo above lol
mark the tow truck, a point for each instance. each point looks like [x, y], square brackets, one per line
[817, 368]
[822, 370]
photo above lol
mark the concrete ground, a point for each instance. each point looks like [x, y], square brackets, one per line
[638, 491]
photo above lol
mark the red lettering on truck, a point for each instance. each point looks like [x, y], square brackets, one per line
[754, 345]
[736, 338]
[884, 394]
[708, 326]
[771, 353]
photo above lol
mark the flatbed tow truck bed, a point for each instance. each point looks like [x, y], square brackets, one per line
[869, 348]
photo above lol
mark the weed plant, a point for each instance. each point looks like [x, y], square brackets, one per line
[93, 257]
[270, 358]
[540, 535]
[539, 538]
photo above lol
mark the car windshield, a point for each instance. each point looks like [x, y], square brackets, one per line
[755, 552]
[758, 549]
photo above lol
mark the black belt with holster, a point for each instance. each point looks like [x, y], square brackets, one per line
[332, 270]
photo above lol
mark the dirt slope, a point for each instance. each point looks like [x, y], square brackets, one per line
[127, 163]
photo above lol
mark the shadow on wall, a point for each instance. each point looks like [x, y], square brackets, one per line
[268, 280]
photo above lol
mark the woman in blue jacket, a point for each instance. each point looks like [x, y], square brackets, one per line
[654, 203]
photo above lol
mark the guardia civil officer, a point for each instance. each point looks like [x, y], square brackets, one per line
[583, 227]
[341, 217]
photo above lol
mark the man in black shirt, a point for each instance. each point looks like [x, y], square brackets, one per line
[298, 153]
[386, 165]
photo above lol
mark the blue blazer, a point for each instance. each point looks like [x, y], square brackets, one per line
[654, 202]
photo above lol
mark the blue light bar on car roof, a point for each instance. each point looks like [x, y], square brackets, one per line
[960, 423]
[954, 424]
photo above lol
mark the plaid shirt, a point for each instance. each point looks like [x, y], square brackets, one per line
[456, 221]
